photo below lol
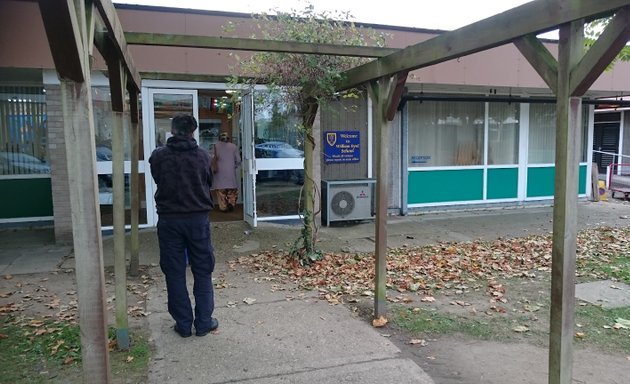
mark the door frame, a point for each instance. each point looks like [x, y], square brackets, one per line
[148, 111]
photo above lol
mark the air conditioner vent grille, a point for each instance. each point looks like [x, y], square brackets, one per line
[342, 203]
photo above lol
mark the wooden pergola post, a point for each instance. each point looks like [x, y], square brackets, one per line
[70, 30]
[134, 139]
[385, 94]
[379, 91]
[568, 138]
[117, 86]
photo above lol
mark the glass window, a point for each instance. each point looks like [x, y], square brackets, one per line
[445, 133]
[23, 131]
[503, 128]
[106, 199]
[279, 192]
[103, 125]
[542, 134]
[166, 106]
[277, 133]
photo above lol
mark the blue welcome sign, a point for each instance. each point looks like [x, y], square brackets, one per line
[342, 147]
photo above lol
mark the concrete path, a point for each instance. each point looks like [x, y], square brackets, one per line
[278, 338]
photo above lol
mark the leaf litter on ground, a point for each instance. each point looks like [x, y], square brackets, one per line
[423, 270]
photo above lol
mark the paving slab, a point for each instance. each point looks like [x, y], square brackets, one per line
[607, 293]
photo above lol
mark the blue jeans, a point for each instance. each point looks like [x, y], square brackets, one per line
[178, 237]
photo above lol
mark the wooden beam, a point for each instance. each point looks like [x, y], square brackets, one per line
[64, 37]
[115, 32]
[116, 74]
[540, 59]
[243, 44]
[564, 239]
[530, 18]
[185, 77]
[395, 96]
[601, 54]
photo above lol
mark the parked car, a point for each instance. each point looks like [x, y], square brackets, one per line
[277, 149]
[12, 163]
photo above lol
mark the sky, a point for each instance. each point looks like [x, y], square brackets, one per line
[429, 14]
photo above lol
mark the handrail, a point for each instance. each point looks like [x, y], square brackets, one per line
[611, 154]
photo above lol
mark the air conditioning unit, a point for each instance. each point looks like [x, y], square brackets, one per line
[347, 200]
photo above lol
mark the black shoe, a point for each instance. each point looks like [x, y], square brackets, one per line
[214, 324]
[182, 333]
[230, 207]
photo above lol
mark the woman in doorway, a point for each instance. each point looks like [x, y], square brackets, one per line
[224, 175]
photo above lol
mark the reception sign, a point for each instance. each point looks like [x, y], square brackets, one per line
[342, 147]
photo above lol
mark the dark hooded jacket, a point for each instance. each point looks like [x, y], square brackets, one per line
[182, 173]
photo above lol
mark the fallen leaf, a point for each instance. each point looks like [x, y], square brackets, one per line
[622, 323]
[380, 322]
[531, 308]
[249, 300]
[129, 359]
[421, 342]
[8, 277]
[68, 360]
[428, 299]
[580, 335]
[520, 329]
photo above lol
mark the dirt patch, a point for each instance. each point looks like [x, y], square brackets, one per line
[53, 295]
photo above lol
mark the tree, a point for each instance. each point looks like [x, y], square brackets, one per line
[594, 29]
[307, 82]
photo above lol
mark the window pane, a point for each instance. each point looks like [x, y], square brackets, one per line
[542, 134]
[503, 128]
[106, 199]
[23, 131]
[165, 107]
[279, 192]
[445, 133]
[103, 125]
[276, 129]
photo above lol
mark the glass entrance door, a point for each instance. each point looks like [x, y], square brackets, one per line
[161, 106]
[279, 153]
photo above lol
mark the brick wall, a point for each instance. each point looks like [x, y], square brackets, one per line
[59, 171]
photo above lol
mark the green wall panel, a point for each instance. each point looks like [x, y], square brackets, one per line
[445, 186]
[502, 183]
[23, 198]
[540, 181]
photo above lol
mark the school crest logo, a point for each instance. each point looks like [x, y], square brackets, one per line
[331, 138]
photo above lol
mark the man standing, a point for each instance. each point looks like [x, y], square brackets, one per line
[224, 178]
[182, 173]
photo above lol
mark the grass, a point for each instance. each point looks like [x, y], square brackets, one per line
[594, 326]
[45, 351]
[431, 323]
[616, 267]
